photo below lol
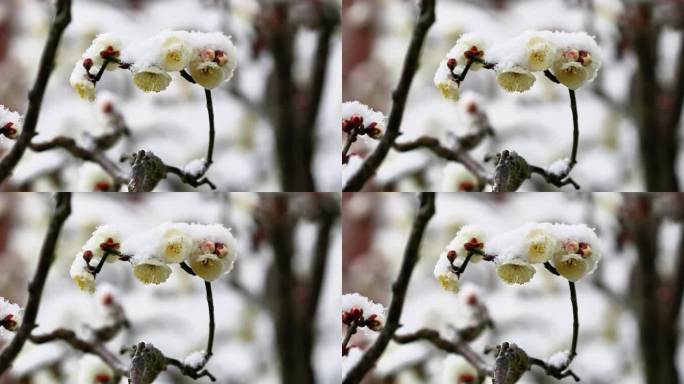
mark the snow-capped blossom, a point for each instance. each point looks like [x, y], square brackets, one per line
[214, 58]
[457, 178]
[11, 123]
[215, 251]
[80, 81]
[149, 269]
[195, 359]
[92, 370]
[514, 270]
[81, 274]
[106, 239]
[445, 82]
[469, 46]
[176, 244]
[150, 78]
[578, 58]
[514, 78]
[444, 271]
[11, 315]
[540, 243]
[106, 46]
[363, 120]
[456, 370]
[559, 167]
[468, 239]
[107, 297]
[540, 51]
[362, 311]
[579, 252]
[176, 51]
[559, 360]
[92, 178]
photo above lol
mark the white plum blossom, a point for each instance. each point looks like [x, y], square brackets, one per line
[540, 50]
[578, 59]
[457, 178]
[80, 81]
[215, 250]
[469, 238]
[106, 46]
[579, 251]
[445, 274]
[363, 120]
[540, 243]
[11, 315]
[11, 123]
[214, 58]
[106, 239]
[92, 370]
[469, 46]
[514, 269]
[176, 50]
[150, 78]
[175, 243]
[92, 178]
[445, 82]
[362, 311]
[80, 273]
[514, 78]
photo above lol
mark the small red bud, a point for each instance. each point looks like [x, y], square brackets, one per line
[451, 255]
[466, 186]
[87, 256]
[87, 64]
[102, 186]
[107, 299]
[452, 63]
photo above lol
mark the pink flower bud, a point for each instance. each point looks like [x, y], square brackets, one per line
[572, 55]
[207, 54]
[221, 58]
[207, 246]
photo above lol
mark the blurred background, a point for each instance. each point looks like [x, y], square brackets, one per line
[629, 116]
[266, 140]
[629, 308]
[274, 311]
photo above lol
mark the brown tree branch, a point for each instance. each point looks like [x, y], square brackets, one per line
[425, 212]
[47, 61]
[399, 96]
[35, 288]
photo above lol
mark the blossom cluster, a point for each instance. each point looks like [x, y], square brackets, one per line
[11, 123]
[210, 250]
[362, 120]
[573, 58]
[572, 250]
[210, 58]
[11, 315]
[361, 312]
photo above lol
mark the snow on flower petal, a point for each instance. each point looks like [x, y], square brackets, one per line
[362, 311]
[468, 239]
[11, 315]
[469, 46]
[444, 273]
[515, 271]
[445, 82]
[515, 79]
[11, 123]
[362, 119]
[579, 253]
[150, 79]
[80, 272]
[81, 83]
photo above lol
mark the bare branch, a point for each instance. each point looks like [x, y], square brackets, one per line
[425, 212]
[47, 60]
[411, 61]
[35, 288]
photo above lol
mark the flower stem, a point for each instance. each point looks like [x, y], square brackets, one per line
[351, 138]
[463, 266]
[463, 74]
[351, 330]
[212, 130]
[212, 325]
[575, 321]
[575, 128]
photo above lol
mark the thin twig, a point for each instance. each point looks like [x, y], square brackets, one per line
[212, 323]
[47, 61]
[35, 288]
[411, 61]
[351, 330]
[425, 212]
